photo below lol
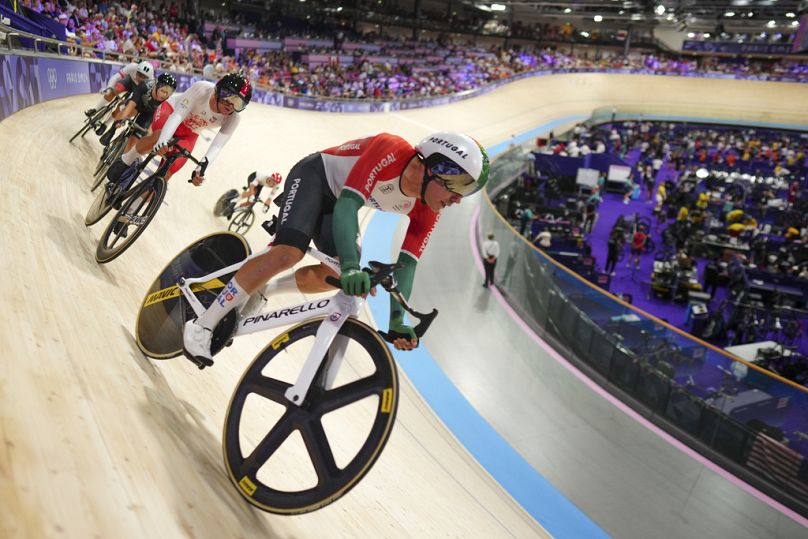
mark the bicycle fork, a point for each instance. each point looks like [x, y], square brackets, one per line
[323, 350]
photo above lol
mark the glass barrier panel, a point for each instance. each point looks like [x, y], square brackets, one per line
[741, 411]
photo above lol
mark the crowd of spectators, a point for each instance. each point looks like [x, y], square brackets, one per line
[171, 32]
[159, 30]
[743, 183]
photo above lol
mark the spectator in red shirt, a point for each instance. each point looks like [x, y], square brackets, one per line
[638, 246]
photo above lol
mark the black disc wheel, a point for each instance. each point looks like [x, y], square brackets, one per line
[164, 310]
[224, 202]
[289, 459]
[131, 220]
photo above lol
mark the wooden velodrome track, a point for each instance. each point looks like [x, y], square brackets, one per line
[100, 441]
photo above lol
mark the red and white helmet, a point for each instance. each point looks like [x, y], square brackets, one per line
[277, 177]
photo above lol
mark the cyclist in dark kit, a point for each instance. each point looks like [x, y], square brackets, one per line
[145, 99]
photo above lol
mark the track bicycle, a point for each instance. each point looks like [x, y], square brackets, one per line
[138, 200]
[114, 150]
[226, 203]
[97, 120]
[329, 382]
[243, 217]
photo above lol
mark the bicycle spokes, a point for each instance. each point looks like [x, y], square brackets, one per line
[290, 458]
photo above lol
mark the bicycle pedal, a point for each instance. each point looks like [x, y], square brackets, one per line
[200, 362]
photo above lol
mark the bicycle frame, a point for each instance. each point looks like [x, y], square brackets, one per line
[335, 309]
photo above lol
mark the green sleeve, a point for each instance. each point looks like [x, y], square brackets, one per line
[346, 228]
[404, 276]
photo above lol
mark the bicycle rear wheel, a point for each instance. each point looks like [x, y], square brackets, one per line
[164, 311]
[342, 430]
[90, 122]
[242, 221]
[81, 132]
[222, 203]
[101, 205]
[108, 156]
[136, 214]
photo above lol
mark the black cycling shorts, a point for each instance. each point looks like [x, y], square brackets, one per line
[307, 207]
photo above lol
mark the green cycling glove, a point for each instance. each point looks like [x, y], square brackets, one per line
[397, 325]
[354, 281]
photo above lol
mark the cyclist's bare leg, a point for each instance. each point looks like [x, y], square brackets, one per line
[142, 147]
[106, 97]
[252, 275]
[311, 279]
[130, 143]
[256, 272]
[146, 143]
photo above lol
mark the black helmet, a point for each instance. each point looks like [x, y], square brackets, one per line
[236, 89]
[167, 79]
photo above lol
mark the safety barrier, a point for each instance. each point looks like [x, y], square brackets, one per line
[747, 419]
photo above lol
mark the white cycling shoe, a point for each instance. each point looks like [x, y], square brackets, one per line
[196, 341]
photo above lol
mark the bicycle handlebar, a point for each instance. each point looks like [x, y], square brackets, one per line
[382, 274]
[133, 126]
[186, 154]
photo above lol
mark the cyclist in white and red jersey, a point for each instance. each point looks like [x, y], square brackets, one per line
[256, 183]
[124, 80]
[322, 196]
[203, 105]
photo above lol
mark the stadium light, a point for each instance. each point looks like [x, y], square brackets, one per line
[597, 18]
[497, 7]
[660, 9]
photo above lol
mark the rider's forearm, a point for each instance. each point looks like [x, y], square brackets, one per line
[216, 146]
[127, 112]
[169, 128]
[405, 275]
[346, 228]
[221, 138]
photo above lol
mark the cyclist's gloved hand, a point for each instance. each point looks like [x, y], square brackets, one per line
[354, 281]
[161, 148]
[405, 335]
[196, 177]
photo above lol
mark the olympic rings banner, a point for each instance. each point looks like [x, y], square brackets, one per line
[26, 80]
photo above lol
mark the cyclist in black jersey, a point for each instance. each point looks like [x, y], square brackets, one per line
[145, 98]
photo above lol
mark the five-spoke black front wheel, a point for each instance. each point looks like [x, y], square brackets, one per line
[290, 459]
